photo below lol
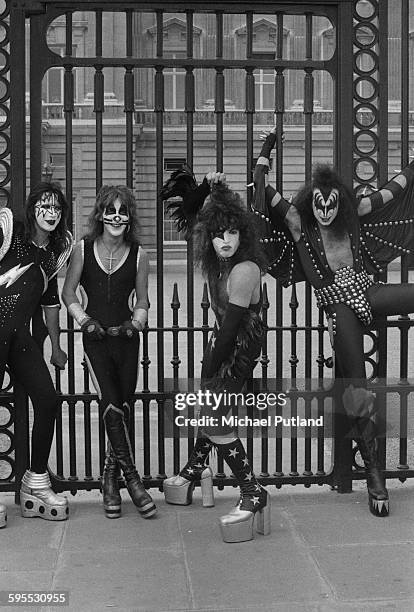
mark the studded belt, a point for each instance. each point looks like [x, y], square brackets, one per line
[348, 288]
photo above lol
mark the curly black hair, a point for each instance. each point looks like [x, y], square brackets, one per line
[106, 196]
[224, 209]
[57, 238]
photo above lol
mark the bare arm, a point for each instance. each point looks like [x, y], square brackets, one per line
[243, 283]
[140, 313]
[72, 280]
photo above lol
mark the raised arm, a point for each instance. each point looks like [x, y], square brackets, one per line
[277, 206]
[387, 193]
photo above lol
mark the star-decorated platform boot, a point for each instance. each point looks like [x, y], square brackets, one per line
[3, 516]
[237, 525]
[179, 489]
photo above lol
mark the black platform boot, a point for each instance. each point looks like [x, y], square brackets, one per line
[367, 444]
[110, 486]
[117, 431]
[179, 489]
[237, 526]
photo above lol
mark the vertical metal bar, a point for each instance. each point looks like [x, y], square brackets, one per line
[129, 125]
[190, 110]
[129, 106]
[279, 103]
[98, 109]
[405, 82]
[18, 104]
[219, 96]
[343, 156]
[293, 360]
[250, 107]
[159, 118]
[37, 69]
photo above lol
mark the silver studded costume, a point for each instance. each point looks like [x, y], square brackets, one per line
[348, 288]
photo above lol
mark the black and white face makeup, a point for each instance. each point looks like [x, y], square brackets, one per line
[48, 212]
[226, 242]
[325, 210]
[116, 217]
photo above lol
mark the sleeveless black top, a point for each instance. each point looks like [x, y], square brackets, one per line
[108, 296]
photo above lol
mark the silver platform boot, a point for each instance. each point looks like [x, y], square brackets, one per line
[38, 499]
[3, 516]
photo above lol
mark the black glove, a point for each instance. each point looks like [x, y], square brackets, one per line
[268, 145]
[225, 340]
[128, 330]
[93, 329]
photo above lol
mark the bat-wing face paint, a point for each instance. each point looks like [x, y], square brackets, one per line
[48, 212]
[325, 210]
[116, 216]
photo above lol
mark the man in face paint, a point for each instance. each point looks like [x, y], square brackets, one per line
[112, 269]
[31, 254]
[334, 241]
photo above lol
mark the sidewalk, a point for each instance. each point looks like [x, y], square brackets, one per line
[326, 553]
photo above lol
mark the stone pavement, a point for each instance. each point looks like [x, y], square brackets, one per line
[326, 553]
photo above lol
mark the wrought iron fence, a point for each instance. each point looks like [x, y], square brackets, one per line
[296, 347]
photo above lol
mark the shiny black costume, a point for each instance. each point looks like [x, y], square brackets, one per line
[27, 279]
[113, 361]
[349, 296]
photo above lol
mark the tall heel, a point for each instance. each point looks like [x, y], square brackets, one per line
[263, 518]
[207, 491]
[3, 516]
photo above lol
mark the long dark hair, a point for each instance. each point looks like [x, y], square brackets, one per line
[57, 237]
[224, 209]
[325, 178]
[107, 195]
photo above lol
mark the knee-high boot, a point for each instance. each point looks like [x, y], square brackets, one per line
[179, 489]
[237, 526]
[117, 431]
[110, 485]
[367, 444]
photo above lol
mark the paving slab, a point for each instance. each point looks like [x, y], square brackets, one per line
[326, 553]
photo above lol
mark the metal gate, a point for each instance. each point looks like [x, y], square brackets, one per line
[296, 349]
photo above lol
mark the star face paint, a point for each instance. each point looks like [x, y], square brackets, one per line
[116, 217]
[325, 210]
[48, 212]
[226, 242]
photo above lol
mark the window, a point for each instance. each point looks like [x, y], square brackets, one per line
[53, 88]
[264, 84]
[174, 83]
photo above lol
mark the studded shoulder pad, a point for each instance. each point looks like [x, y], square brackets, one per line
[64, 255]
